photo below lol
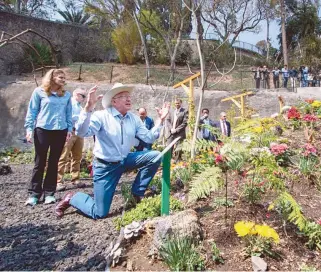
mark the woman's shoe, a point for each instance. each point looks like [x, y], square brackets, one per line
[50, 200]
[32, 201]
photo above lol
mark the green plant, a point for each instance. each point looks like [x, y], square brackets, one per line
[258, 238]
[304, 267]
[209, 180]
[313, 231]
[44, 52]
[216, 254]
[307, 165]
[221, 202]
[126, 191]
[148, 208]
[180, 254]
[126, 40]
[182, 173]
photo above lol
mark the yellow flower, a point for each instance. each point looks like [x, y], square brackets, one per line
[244, 228]
[316, 104]
[267, 232]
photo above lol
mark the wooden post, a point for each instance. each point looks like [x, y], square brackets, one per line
[111, 73]
[80, 69]
[239, 103]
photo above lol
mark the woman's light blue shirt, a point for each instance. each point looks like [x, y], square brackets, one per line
[49, 112]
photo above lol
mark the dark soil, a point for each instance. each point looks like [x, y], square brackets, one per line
[34, 239]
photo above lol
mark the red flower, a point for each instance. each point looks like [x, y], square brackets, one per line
[310, 118]
[293, 113]
[219, 159]
[268, 215]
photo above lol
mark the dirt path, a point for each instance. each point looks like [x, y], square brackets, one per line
[34, 239]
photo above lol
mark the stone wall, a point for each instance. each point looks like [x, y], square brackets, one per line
[77, 43]
[14, 99]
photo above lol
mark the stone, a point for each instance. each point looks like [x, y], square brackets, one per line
[258, 264]
[184, 223]
[5, 169]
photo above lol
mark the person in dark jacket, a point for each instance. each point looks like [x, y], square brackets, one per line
[205, 120]
[224, 125]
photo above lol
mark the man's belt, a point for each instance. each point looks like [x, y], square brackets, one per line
[106, 162]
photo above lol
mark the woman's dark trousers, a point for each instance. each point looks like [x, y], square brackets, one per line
[45, 139]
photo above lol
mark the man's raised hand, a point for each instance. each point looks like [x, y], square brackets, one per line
[163, 112]
[92, 99]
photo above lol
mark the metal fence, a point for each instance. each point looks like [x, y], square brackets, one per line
[241, 78]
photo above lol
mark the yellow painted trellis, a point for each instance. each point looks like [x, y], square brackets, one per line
[239, 103]
[191, 105]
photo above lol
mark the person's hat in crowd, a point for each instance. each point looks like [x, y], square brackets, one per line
[116, 89]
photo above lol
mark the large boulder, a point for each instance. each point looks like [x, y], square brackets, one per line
[185, 223]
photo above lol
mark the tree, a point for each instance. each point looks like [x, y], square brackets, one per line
[303, 29]
[34, 8]
[169, 27]
[232, 17]
[283, 31]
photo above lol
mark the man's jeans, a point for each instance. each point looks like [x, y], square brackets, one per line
[106, 177]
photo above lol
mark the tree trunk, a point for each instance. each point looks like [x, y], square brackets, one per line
[267, 39]
[284, 43]
[18, 6]
[144, 45]
[198, 114]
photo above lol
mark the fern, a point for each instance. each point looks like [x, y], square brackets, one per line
[206, 182]
[200, 145]
[290, 209]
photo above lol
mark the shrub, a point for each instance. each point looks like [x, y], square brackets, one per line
[148, 208]
[180, 254]
[127, 41]
[44, 52]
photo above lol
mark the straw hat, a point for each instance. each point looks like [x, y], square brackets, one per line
[116, 89]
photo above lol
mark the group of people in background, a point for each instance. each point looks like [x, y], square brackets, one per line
[295, 77]
[57, 123]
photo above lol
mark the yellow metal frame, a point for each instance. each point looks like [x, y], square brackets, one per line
[240, 104]
[190, 92]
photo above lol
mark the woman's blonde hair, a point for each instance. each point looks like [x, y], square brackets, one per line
[47, 82]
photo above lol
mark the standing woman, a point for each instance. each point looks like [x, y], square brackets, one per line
[49, 117]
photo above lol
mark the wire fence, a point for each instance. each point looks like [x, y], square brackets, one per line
[241, 78]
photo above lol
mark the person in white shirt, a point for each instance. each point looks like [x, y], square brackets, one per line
[73, 147]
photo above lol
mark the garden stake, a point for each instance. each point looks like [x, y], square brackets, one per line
[166, 179]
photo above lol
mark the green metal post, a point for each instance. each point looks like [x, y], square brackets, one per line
[166, 180]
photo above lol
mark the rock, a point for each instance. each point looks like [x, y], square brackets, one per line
[183, 223]
[258, 264]
[5, 169]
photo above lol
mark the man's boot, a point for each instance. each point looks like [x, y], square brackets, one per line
[63, 205]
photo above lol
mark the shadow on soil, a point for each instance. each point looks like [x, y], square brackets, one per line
[31, 247]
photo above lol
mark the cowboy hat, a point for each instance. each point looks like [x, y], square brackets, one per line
[116, 89]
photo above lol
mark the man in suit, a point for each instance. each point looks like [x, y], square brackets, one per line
[177, 122]
[223, 125]
[149, 124]
[205, 120]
